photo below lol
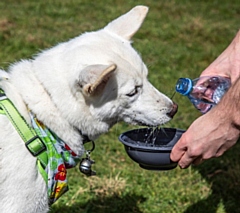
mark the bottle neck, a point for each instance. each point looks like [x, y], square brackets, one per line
[184, 86]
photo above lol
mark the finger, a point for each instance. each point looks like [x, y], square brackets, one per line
[186, 161]
[197, 161]
[177, 152]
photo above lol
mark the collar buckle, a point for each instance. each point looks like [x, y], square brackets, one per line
[35, 146]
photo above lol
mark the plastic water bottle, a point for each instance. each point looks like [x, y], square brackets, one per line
[204, 92]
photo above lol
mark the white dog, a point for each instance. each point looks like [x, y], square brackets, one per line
[76, 89]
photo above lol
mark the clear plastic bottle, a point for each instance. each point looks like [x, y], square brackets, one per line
[204, 92]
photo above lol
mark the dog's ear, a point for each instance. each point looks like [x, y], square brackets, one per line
[128, 24]
[93, 78]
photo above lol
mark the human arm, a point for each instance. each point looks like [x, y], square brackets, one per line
[211, 134]
[227, 63]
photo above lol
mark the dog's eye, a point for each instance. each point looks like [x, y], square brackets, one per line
[134, 92]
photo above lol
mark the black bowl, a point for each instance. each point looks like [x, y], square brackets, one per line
[151, 148]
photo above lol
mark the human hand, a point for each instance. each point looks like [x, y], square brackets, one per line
[228, 63]
[211, 134]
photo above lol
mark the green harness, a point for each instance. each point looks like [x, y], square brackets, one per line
[32, 141]
[53, 155]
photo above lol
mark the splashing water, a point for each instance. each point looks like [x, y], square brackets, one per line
[152, 134]
[151, 137]
[173, 95]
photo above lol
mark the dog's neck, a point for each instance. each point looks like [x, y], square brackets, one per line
[46, 111]
[54, 104]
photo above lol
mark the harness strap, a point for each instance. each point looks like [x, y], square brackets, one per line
[32, 141]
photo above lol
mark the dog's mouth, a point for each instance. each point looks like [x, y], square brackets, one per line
[152, 121]
[139, 123]
[145, 124]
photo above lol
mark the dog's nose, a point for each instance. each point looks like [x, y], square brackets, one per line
[173, 111]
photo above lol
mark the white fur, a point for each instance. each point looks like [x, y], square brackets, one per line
[67, 90]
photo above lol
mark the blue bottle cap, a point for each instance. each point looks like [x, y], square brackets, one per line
[184, 86]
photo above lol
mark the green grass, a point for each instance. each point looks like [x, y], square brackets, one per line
[177, 39]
